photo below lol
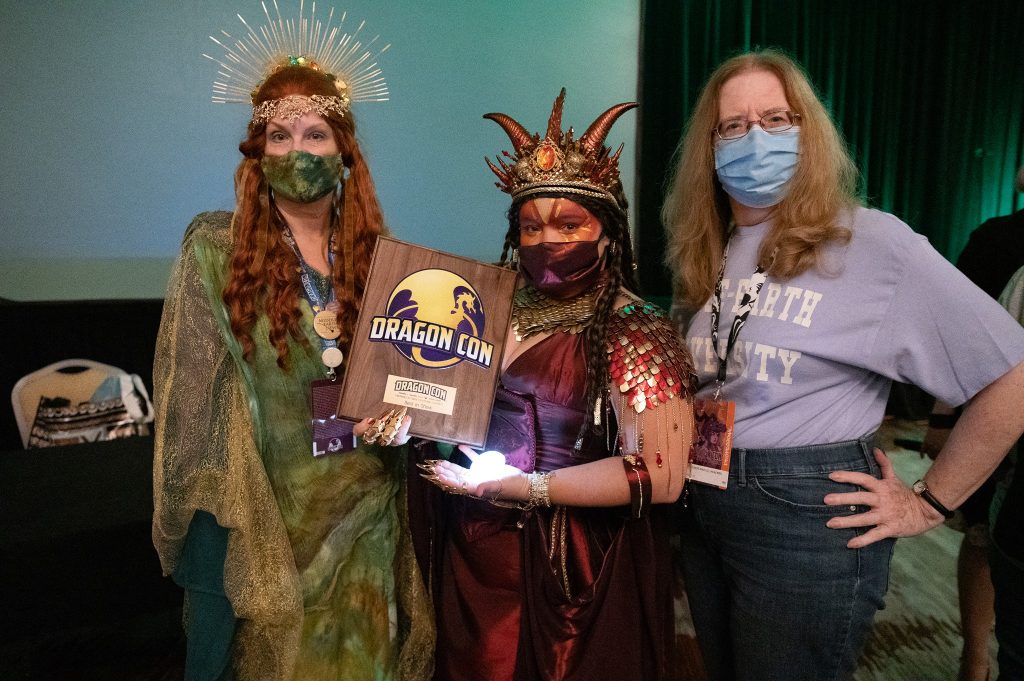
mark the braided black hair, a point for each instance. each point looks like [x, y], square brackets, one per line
[620, 275]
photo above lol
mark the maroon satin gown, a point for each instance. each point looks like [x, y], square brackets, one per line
[574, 593]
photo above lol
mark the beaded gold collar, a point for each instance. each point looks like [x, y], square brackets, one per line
[533, 312]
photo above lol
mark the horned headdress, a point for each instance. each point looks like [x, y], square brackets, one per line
[558, 163]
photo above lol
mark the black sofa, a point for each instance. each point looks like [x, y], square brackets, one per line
[81, 587]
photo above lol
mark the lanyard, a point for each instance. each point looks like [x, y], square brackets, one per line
[745, 306]
[313, 297]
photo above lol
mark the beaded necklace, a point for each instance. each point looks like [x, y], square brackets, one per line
[533, 312]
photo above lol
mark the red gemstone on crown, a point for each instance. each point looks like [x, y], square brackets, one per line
[546, 157]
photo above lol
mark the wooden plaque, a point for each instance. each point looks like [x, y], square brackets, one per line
[430, 337]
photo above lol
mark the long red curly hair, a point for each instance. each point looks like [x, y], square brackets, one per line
[262, 265]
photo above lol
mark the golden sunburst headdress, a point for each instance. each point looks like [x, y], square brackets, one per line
[306, 42]
[559, 163]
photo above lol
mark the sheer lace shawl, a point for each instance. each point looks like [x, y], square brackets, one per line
[206, 459]
[213, 452]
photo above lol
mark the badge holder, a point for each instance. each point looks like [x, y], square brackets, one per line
[714, 419]
[712, 441]
[331, 435]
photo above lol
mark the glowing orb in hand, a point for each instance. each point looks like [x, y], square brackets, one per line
[487, 466]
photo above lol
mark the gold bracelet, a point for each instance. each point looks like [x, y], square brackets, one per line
[501, 486]
[539, 493]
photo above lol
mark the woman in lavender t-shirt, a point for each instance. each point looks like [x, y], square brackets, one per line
[805, 306]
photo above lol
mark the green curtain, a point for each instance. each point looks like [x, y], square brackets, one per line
[929, 96]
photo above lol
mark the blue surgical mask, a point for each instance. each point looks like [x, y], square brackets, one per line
[755, 169]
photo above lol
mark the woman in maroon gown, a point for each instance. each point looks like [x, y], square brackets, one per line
[556, 564]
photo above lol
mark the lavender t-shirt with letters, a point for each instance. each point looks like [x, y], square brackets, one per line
[814, 362]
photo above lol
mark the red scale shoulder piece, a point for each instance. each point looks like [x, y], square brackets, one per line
[648, 360]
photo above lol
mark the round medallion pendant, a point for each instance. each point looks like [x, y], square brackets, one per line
[325, 323]
[332, 357]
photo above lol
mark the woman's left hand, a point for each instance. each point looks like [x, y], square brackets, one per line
[492, 483]
[389, 429]
[893, 508]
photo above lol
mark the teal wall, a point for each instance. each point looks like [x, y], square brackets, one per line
[111, 142]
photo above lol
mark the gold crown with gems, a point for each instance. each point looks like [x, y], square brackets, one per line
[558, 162]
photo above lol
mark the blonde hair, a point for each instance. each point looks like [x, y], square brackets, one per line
[696, 211]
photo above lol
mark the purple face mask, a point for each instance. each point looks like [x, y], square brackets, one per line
[561, 270]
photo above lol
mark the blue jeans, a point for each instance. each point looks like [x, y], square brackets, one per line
[1008, 581]
[775, 594]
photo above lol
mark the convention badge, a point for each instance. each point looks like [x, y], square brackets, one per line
[712, 442]
[332, 357]
[331, 435]
[325, 323]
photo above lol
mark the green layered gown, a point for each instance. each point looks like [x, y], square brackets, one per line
[294, 567]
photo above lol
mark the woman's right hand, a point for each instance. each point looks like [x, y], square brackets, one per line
[502, 482]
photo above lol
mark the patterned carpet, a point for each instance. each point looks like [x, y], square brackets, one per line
[917, 636]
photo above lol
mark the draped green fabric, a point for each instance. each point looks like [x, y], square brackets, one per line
[929, 96]
[318, 563]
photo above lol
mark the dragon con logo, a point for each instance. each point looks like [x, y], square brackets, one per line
[435, 319]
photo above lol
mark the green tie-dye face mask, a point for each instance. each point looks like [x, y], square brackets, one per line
[302, 177]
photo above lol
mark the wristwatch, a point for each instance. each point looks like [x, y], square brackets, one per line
[921, 489]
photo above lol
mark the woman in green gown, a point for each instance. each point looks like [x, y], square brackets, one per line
[294, 566]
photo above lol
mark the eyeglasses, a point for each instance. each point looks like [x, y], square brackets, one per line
[773, 121]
